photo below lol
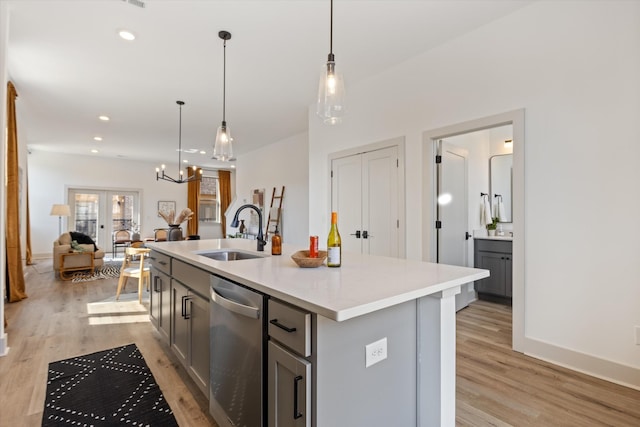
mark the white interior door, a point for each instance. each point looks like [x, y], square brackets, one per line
[364, 192]
[380, 202]
[452, 211]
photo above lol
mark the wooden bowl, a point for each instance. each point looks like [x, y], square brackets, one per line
[302, 259]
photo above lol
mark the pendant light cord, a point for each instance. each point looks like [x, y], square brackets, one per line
[224, 80]
[331, 31]
[180, 103]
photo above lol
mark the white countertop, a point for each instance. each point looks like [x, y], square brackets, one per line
[363, 284]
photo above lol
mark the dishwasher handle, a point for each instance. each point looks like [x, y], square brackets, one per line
[236, 307]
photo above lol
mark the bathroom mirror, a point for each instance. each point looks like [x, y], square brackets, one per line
[500, 181]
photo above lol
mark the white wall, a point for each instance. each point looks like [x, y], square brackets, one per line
[51, 174]
[281, 163]
[574, 67]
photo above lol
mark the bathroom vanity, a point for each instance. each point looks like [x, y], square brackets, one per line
[494, 254]
[369, 343]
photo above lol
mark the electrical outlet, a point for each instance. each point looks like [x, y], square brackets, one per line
[375, 352]
[637, 335]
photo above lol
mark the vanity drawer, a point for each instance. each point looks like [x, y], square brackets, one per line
[290, 326]
[160, 262]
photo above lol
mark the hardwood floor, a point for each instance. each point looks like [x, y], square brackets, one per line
[495, 386]
[63, 319]
[499, 387]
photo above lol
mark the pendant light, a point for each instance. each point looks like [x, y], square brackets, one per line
[331, 89]
[223, 149]
[161, 174]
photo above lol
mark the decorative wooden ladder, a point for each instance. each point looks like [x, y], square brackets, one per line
[272, 223]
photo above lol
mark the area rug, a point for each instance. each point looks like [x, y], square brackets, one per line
[108, 388]
[106, 271]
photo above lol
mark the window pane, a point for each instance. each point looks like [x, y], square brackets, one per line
[209, 209]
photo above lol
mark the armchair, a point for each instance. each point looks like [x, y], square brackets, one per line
[63, 246]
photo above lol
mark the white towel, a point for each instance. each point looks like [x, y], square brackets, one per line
[502, 216]
[486, 212]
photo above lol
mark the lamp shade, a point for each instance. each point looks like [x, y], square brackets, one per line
[60, 210]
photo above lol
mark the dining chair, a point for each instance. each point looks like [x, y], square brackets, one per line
[138, 271]
[121, 238]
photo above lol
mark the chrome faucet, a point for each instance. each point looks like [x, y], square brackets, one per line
[260, 238]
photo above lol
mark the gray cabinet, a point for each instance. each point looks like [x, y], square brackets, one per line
[288, 373]
[289, 388]
[160, 303]
[495, 256]
[160, 297]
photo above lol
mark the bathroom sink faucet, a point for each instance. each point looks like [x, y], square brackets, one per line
[260, 238]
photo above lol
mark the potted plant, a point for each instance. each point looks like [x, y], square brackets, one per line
[491, 228]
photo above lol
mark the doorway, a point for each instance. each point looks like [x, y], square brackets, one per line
[99, 213]
[430, 206]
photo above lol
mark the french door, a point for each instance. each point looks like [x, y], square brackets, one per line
[364, 192]
[99, 213]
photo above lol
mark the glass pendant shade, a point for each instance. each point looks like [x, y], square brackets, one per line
[331, 95]
[223, 149]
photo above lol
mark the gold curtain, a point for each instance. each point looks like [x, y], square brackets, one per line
[224, 179]
[15, 274]
[193, 201]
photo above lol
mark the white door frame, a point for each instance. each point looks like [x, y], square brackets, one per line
[516, 119]
[398, 142]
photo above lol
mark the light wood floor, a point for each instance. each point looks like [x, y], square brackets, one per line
[499, 387]
[495, 386]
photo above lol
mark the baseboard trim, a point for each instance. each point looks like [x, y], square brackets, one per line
[607, 370]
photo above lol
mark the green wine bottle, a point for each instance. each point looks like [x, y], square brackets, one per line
[334, 244]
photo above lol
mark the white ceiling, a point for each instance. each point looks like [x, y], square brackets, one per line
[69, 66]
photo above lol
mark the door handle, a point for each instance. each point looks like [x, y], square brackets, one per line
[365, 234]
[357, 234]
[467, 236]
[296, 413]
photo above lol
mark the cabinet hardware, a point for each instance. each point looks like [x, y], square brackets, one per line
[155, 283]
[185, 299]
[296, 413]
[357, 234]
[281, 326]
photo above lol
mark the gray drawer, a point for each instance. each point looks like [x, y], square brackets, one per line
[290, 326]
[503, 246]
[160, 261]
[192, 277]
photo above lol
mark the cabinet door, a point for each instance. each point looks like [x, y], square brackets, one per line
[160, 302]
[164, 321]
[155, 299]
[495, 283]
[198, 313]
[179, 321]
[289, 388]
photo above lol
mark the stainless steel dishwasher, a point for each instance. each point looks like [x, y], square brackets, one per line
[237, 341]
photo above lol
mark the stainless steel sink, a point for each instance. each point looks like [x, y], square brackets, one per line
[229, 255]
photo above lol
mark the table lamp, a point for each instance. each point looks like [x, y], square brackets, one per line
[60, 211]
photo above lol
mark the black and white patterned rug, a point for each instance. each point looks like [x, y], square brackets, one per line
[108, 270]
[109, 388]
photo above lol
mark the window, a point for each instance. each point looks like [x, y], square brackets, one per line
[209, 209]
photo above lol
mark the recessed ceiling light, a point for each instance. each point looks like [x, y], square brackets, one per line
[104, 118]
[185, 161]
[94, 151]
[203, 152]
[97, 138]
[126, 35]
[233, 166]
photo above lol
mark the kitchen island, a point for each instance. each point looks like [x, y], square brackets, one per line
[407, 305]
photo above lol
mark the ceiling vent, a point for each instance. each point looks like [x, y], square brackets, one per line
[135, 3]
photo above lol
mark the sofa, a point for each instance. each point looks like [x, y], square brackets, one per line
[63, 245]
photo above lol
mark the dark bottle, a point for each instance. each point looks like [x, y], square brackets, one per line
[276, 243]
